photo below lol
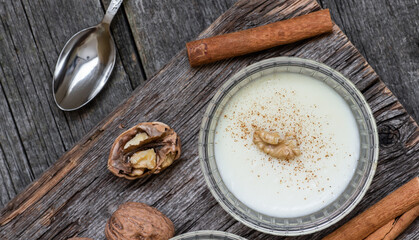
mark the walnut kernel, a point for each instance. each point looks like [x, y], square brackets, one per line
[147, 148]
[273, 144]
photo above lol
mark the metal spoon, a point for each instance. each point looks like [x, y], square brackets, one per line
[85, 64]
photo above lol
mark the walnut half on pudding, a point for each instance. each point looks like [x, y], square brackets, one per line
[147, 148]
[271, 143]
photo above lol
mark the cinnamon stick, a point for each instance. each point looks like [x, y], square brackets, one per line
[395, 204]
[256, 39]
[396, 226]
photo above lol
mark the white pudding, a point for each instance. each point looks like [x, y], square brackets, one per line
[324, 127]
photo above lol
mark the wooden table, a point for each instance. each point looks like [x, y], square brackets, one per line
[148, 33]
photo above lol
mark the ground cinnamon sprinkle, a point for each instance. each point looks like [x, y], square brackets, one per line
[282, 120]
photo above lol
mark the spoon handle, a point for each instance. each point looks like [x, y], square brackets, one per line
[112, 9]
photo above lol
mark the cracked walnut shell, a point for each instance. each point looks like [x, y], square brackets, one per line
[134, 220]
[147, 148]
[273, 144]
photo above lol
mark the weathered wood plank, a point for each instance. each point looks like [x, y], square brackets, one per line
[47, 34]
[12, 157]
[77, 194]
[390, 46]
[365, 15]
[386, 33]
[125, 44]
[161, 28]
[34, 131]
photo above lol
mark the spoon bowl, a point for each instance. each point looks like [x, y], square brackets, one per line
[85, 64]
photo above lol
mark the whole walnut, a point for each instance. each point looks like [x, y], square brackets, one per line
[138, 221]
[147, 148]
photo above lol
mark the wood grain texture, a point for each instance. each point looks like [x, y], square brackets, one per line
[387, 35]
[42, 20]
[36, 132]
[161, 28]
[125, 44]
[32, 33]
[77, 194]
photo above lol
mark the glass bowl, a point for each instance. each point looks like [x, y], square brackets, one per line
[359, 182]
[208, 235]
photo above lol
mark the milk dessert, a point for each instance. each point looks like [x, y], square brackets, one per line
[323, 126]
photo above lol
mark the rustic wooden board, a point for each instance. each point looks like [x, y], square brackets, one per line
[386, 33]
[161, 28]
[78, 194]
[390, 47]
[35, 133]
